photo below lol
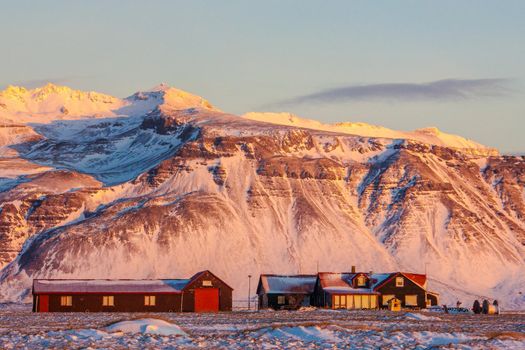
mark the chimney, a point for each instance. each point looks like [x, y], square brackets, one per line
[353, 268]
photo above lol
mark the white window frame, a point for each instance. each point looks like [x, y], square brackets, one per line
[66, 300]
[413, 302]
[400, 281]
[150, 300]
[281, 299]
[108, 300]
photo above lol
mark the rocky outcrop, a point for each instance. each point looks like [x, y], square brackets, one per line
[179, 190]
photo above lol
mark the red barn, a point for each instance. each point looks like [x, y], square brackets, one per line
[204, 292]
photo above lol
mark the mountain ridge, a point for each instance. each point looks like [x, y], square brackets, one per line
[35, 103]
[161, 192]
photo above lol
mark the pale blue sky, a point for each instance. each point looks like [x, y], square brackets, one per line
[247, 56]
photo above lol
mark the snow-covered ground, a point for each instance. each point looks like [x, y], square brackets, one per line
[21, 329]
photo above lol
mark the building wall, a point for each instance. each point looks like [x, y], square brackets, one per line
[319, 297]
[207, 280]
[291, 300]
[433, 299]
[165, 302]
[123, 303]
[263, 301]
[409, 288]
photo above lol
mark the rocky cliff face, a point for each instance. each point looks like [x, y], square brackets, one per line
[187, 187]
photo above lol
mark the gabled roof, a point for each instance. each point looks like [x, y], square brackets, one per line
[201, 273]
[418, 279]
[284, 284]
[130, 286]
[43, 286]
[332, 282]
[379, 278]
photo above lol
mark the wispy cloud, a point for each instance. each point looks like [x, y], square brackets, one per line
[440, 90]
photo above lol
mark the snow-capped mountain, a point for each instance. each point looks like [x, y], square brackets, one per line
[162, 184]
[432, 135]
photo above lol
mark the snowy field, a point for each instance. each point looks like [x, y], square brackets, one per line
[325, 329]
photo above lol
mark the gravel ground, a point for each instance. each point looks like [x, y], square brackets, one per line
[22, 329]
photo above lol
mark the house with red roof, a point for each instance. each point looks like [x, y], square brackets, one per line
[409, 288]
[361, 290]
[345, 290]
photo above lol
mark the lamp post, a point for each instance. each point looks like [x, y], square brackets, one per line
[249, 289]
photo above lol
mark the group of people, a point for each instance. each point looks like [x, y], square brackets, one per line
[478, 308]
[485, 308]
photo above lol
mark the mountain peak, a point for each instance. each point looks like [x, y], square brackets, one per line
[160, 87]
[432, 130]
[166, 96]
[50, 102]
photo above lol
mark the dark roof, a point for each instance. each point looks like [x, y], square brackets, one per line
[200, 273]
[283, 284]
[418, 279]
[341, 283]
[42, 286]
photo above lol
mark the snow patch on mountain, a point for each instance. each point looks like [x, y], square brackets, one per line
[51, 102]
[432, 135]
[166, 184]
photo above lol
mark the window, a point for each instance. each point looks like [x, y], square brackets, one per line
[108, 300]
[66, 300]
[386, 298]
[357, 301]
[349, 301]
[400, 282]
[373, 301]
[337, 301]
[207, 283]
[342, 304]
[410, 300]
[361, 281]
[149, 300]
[365, 301]
[281, 300]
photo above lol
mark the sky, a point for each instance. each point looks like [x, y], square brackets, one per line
[456, 65]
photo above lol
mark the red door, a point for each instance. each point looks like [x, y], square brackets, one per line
[206, 300]
[43, 303]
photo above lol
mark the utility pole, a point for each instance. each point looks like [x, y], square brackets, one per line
[249, 289]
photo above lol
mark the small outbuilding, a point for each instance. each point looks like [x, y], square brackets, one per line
[285, 291]
[203, 292]
[394, 304]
